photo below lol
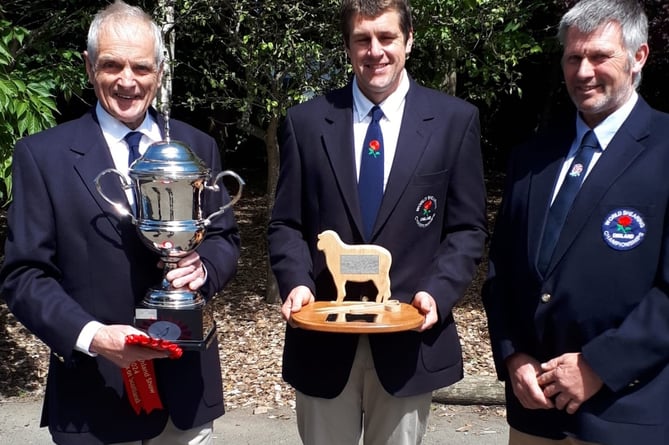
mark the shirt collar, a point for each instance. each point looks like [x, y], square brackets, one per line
[608, 128]
[115, 130]
[390, 106]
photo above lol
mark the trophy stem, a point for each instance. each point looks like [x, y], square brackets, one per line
[167, 297]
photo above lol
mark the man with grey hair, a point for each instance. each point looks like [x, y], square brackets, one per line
[577, 295]
[74, 271]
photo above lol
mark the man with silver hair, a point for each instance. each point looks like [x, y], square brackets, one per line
[577, 295]
[74, 271]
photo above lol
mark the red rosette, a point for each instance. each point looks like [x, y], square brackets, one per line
[140, 378]
[158, 344]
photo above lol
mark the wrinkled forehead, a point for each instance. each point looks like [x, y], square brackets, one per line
[132, 42]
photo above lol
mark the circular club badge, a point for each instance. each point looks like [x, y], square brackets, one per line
[426, 211]
[624, 229]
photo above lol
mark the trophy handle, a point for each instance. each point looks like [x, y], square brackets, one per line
[125, 183]
[216, 188]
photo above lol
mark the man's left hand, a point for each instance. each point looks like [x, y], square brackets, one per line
[570, 379]
[428, 307]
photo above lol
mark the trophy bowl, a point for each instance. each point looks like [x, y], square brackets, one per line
[167, 184]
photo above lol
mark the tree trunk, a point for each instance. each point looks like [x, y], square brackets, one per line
[472, 390]
[450, 83]
[272, 147]
[165, 94]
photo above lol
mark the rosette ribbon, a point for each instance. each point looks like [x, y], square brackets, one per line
[140, 378]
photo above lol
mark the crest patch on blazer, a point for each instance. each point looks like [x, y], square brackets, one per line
[426, 211]
[624, 229]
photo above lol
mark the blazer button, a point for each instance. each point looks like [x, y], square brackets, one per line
[545, 298]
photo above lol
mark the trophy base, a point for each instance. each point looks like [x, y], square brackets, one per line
[192, 329]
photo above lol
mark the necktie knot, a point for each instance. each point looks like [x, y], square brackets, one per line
[132, 138]
[376, 113]
[590, 140]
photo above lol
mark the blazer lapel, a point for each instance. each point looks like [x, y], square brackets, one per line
[338, 143]
[622, 151]
[411, 144]
[93, 157]
[160, 119]
[542, 185]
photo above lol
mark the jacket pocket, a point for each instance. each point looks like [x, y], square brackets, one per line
[430, 178]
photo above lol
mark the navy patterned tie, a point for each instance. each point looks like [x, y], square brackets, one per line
[557, 214]
[132, 139]
[370, 182]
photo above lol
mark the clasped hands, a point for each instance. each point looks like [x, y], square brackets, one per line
[564, 382]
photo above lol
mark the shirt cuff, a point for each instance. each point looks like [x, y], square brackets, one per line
[86, 337]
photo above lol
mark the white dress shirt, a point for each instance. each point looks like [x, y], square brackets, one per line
[393, 111]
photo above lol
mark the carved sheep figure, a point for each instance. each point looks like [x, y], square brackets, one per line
[356, 263]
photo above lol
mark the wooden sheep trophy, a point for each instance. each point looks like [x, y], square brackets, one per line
[357, 263]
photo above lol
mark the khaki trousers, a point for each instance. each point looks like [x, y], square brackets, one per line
[171, 435]
[519, 438]
[363, 406]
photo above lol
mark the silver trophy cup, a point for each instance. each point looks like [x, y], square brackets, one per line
[167, 184]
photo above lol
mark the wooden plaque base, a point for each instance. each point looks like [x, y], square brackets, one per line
[358, 317]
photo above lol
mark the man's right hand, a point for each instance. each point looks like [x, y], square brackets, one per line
[109, 342]
[523, 372]
[298, 297]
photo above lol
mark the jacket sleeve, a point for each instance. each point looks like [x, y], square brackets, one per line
[496, 289]
[31, 277]
[289, 253]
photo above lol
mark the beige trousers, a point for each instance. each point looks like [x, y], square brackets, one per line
[363, 406]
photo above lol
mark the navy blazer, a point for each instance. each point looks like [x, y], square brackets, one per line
[605, 290]
[71, 259]
[438, 159]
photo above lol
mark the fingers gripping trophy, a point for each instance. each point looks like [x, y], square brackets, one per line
[167, 184]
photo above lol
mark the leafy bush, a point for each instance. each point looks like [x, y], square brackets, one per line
[28, 84]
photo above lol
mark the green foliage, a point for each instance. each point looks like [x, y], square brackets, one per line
[26, 104]
[255, 58]
[32, 72]
[472, 48]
